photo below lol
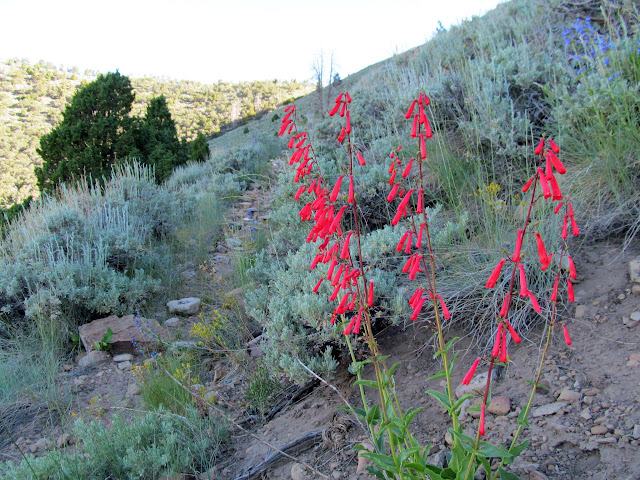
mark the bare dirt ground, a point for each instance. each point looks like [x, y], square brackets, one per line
[592, 432]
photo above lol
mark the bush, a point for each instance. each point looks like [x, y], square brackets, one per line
[156, 444]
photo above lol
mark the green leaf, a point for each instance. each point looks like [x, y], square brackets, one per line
[393, 368]
[383, 462]
[461, 400]
[418, 467]
[408, 452]
[433, 472]
[440, 374]
[522, 419]
[515, 451]
[489, 450]
[367, 383]
[373, 415]
[410, 415]
[441, 397]
[372, 471]
[504, 475]
[466, 442]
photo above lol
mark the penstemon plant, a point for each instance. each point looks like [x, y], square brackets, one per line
[396, 453]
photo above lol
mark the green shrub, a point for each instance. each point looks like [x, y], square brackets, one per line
[147, 447]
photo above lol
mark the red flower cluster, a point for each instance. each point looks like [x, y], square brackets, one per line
[324, 211]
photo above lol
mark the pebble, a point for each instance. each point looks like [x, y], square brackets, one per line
[568, 395]
[636, 432]
[42, 444]
[548, 409]
[298, 472]
[591, 392]
[636, 290]
[500, 405]
[64, 440]
[599, 430]
[536, 475]
[171, 322]
[580, 312]
[132, 390]
[585, 414]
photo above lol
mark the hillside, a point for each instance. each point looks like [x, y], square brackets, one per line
[32, 98]
[479, 199]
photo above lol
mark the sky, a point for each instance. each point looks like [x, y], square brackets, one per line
[230, 40]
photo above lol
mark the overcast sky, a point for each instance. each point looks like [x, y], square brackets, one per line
[231, 40]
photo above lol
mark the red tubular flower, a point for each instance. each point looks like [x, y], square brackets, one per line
[410, 111]
[415, 267]
[334, 295]
[419, 239]
[427, 128]
[554, 293]
[392, 179]
[481, 427]
[558, 207]
[407, 249]
[332, 266]
[401, 242]
[495, 352]
[540, 147]
[344, 254]
[336, 278]
[445, 310]
[570, 208]
[351, 195]
[425, 99]
[421, 117]
[554, 147]
[336, 189]
[348, 128]
[315, 289]
[564, 227]
[299, 192]
[414, 129]
[343, 109]
[572, 268]
[528, 184]
[370, 296]
[543, 183]
[557, 164]
[493, 278]
[416, 311]
[361, 159]
[407, 169]
[513, 333]
[548, 171]
[472, 371]
[503, 347]
[343, 303]
[423, 149]
[516, 252]
[354, 324]
[416, 295]
[574, 226]
[542, 252]
[534, 302]
[570, 293]
[524, 291]
[555, 188]
[393, 192]
[420, 207]
[343, 133]
[567, 338]
[347, 96]
[505, 307]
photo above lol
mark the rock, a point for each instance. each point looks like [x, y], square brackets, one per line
[477, 384]
[234, 243]
[298, 472]
[635, 316]
[94, 357]
[500, 405]
[145, 332]
[536, 475]
[568, 395]
[124, 366]
[591, 392]
[123, 357]
[63, 440]
[544, 387]
[40, 445]
[184, 306]
[171, 322]
[132, 390]
[548, 409]
[599, 430]
[585, 414]
[636, 290]
[362, 461]
[255, 347]
[636, 432]
[211, 474]
[634, 270]
[580, 312]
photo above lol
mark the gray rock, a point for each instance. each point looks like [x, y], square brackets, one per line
[636, 432]
[599, 430]
[171, 322]
[635, 316]
[40, 445]
[477, 384]
[580, 312]
[63, 440]
[536, 475]
[124, 366]
[123, 357]
[548, 409]
[94, 357]
[184, 306]
[298, 472]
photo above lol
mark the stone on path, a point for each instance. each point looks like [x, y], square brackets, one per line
[184, 306]
[94, 357]
[500, 405]
[634, 270]
[548, 409]
[145, 332]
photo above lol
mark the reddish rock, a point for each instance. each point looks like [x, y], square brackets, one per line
[145, 333]
[500, 405]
